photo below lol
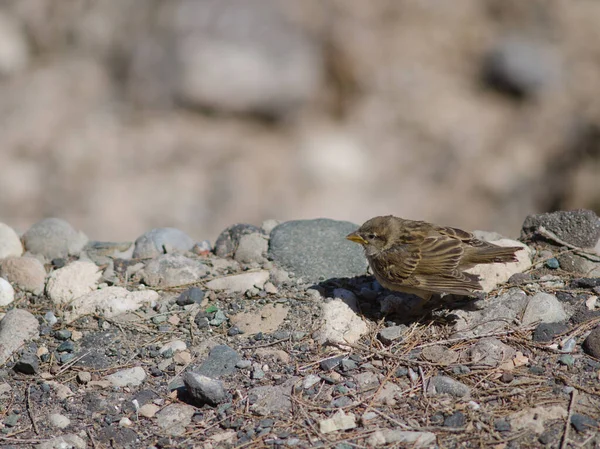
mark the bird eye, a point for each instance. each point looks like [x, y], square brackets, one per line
[371, 236]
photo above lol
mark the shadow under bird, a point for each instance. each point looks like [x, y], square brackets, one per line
[424, 259]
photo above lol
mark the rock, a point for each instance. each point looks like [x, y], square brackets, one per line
[131, 377]
[230, 58]
[228, 241]
[161, 241]
[192, 295]
[586, 283]
[403, 437]
[545, 332]
[14, 48]
[578, 227]
[457, 419]
[221, 361]
[491, 352]
[574, 263]
[498, 311]
[10, 243]
[109, 302]
[7, 293]
[71, 441]
[204, 390]
[341, 324]
[252, 248]
[272, 400]
[54, 238]
[316, 250]
[16, 328]
[444, 384]
[240, 282]
[75, 280]
[26, 273]
[173, 270]
[545, 308]
[267, 320]
[583, 423]
[149, 410]
[174, 418]
[495, 274]
[174, 346]
[104, 252]
[392, 334]
[591, 344]
[339, 421]
[59, 421]
[533, 419]
[522, 67]
[440, 355]
[27, 364]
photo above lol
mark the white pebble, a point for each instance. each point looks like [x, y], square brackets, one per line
[7, 292]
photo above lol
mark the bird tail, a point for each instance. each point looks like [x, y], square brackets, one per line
[493, 254]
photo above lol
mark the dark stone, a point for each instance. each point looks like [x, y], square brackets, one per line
[507, 378]
[220, 362]
[58, 262]
[66, 346]
[583, 423]
[190, 296]
[578, 227]
[329, 364]
[591, 345]
[204, 390]
[457, 419]
[27, 364]
[501, 425]
[233, 331]
[62, 334]
[566, 297]
[585, 283]
[520, 278]
[228, 241]
[545, 332]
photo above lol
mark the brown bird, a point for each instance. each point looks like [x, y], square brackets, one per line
[424, 259]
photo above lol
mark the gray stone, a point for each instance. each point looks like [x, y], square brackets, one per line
[228, 241]
[545, 308]
[545, 332]
[26, 273]
[103, 252]
[221, 361]
[59, 421]
[317, 250]
[128, 377]
[190, 296]
[522, 67]
[10, 243]
[404, 438]
[54, 238]
[239, 282]
[174, 418]
[252, 248]
[173, 270]
[244, 58]
[491, 352]
[444, 384]
[204, 390]
[583, 423]
[578, 227]
[161, 241]
[16, 328]
[272, 400]
[498, 313]
[579, 265]
[71, 441]
[392, 334]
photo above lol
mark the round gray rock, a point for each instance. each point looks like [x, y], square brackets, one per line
[26, 273]
[228, 241]
[203, 389]
[577, 227]
[317, 250]
[173, 270]
[54, 238]
[160, 241]
[591, 345]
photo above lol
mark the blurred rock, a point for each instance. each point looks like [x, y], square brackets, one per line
[25, 273]
[14, 49]
[577, 227]
[160, 241]
[246, 58]
[54, 238]
[10, 243]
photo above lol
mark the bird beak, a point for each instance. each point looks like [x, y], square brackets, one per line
[354, 237]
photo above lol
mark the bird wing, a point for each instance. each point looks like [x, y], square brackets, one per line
[432, 265]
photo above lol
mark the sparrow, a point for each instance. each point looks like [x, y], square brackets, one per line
[424, 259]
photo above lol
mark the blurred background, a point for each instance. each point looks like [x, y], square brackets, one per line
[121, 116]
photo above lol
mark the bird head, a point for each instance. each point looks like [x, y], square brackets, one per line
[373, 235]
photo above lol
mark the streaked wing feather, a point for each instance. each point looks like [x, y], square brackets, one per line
[439, 255]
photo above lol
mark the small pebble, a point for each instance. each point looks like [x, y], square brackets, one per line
[507, 378]
[566, 359]
[553, 263]
[50, 318]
